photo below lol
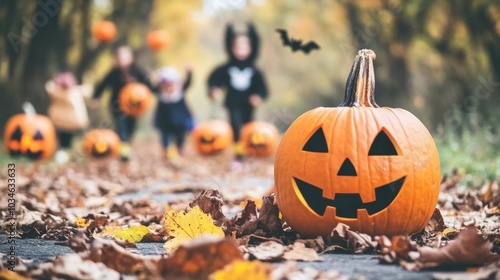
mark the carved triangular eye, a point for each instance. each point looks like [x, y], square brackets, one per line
[17, 134]
[383, 146]
[38, 135]
[317, 142]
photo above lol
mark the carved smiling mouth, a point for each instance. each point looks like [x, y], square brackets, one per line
[347, 204]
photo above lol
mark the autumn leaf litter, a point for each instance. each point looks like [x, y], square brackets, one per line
[85, 207]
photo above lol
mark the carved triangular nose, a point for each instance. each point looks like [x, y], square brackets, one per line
[347, 169]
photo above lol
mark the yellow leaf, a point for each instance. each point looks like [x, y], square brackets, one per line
[7, 274]
[82, 222]
[133, 234]
[243, 270]
[450, 233]
[182, 226]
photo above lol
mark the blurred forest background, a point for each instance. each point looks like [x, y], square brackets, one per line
[438, 59]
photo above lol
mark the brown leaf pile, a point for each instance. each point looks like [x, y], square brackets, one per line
[77, 202]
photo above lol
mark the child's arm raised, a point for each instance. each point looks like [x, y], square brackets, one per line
[189, 78]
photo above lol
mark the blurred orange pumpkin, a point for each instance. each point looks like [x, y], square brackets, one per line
[101, 143]
[104, 31]
[30, 135]
[135, 99]
[157, 39]
[212, 136]
[259, 138]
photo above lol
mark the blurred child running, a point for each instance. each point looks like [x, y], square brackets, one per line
[173, 117]
[243, 82]
[67, 110]
[125, 71]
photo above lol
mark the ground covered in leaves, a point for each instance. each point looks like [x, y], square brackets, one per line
[220, 225]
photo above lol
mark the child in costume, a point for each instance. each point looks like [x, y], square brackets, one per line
[67, 110]
[243, 82]
[173, 117]
[125, 71]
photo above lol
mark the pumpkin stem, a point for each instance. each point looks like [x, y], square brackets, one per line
[360, 86]
[28, 109]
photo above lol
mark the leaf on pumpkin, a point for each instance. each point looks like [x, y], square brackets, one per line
[243, 270]
[182, 226]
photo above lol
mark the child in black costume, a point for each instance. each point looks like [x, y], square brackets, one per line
[243, 81]
[173, 117]
[125, 71]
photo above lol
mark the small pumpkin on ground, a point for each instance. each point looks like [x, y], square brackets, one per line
[135, 99]
[374, 169]
[30, 135]
[259, 138]
[101, 143]
[212, 137]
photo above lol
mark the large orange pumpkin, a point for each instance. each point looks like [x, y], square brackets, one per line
[259, 138]
[135, 99]
[101, 143]
[212, 136]
[104, 31]
[30, 135]
[374, 169]
[157, 39]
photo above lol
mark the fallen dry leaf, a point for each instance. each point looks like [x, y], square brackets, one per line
[210, 202]
[182, 226]
[132, 234]
[299, 252]
[118, 258]
[345, 240]
[11, 275]
[468, 249]
[72, 266]
[199, 257]
[243, 270]
[290, 271]
[267, 251]
[78, 243]
[274, 251]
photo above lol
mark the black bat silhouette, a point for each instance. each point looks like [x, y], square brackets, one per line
[296, 44]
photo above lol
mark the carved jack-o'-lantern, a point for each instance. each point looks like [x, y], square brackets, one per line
[101, 143]
[104, 31]
[374, 169]
[212, 136]
[157, 39]
[259, 138]
[135, 99]
[30, 135]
